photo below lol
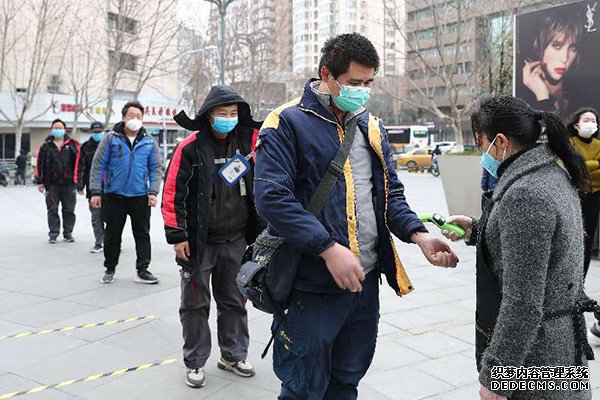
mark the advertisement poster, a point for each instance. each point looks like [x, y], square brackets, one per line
[557, 57]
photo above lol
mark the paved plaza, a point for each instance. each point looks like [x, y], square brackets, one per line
[425, 348]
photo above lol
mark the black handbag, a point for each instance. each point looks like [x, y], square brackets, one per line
[267, 279]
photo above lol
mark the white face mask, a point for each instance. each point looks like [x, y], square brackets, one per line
[134, 125]
[587, 129]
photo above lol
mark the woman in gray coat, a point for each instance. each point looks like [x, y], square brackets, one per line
[529, 256]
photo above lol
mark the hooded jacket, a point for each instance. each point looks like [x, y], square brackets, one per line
[56, 165]
[188, 193]
[122, 169]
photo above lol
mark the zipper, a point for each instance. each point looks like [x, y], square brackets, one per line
[386, 178]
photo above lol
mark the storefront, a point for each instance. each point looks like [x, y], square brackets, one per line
[158, 118]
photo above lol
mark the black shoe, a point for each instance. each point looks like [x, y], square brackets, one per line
[68, 239]
[52, 240]
[145, 276]
[108, 277]
[97, 249]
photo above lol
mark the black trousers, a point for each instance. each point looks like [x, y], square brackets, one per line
[64, 195]
[590, 205]
[114, 212]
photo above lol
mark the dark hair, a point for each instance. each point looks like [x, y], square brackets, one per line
[130, 104]
[577, 116]
[58, 120]
[556, 23]
[514, 118]
[339, 51]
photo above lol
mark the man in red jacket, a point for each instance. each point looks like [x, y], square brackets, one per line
[210, 219]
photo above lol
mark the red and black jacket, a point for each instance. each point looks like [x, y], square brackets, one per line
[56, 165]
[189, 181]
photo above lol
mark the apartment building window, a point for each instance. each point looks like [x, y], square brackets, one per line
[420, 15]
[124, 94]
[440, 91]
[127, 62]
[124, 24]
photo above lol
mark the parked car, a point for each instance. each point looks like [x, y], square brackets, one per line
[445, 147]
[415, 158]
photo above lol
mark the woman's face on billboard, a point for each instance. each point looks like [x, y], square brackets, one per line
[559, 56]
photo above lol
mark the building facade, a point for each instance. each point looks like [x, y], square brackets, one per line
[74, 82]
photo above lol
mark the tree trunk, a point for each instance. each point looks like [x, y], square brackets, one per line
[109, 105]
[457, 129]
[19, 136]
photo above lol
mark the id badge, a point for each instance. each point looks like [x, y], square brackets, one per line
[234, 170]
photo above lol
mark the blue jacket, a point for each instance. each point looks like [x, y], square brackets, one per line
[296, 144]
[122, 169]
[488, 182]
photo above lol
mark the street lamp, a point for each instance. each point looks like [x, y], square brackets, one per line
[222, 6]
[182, 54]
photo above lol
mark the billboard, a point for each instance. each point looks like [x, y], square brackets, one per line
[557, 57]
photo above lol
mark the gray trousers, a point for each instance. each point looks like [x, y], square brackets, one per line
[65, 195]
[222, 262]
[97, 225]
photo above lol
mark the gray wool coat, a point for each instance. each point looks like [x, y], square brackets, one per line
[534, 236]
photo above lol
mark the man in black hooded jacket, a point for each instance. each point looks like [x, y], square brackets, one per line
[210, 221]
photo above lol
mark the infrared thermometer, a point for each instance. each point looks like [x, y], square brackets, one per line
[440, 221]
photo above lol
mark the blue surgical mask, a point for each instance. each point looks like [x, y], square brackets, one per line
[58, 133]
[224, 125]
[488, 162]
[97, 136]
[351, 98]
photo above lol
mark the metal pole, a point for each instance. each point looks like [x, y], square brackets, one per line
[164, 137]
[222, 10]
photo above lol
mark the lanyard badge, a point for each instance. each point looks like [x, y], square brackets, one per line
[235, 169]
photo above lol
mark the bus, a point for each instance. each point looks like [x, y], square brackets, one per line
[407, 137]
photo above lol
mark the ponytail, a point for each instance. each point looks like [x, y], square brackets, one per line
[560, 143]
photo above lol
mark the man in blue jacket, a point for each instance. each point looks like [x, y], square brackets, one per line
[325, 342]
[124, 180]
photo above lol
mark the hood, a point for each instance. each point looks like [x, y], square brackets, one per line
[219, 95]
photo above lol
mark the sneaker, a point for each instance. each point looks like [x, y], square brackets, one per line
[594, 335]
[52, 240]
[195, 378]
[145, 276]
[68, 239]
[97, 249]
[108, 277]
[240, 368]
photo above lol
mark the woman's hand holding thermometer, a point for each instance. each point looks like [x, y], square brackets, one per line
[454, 228]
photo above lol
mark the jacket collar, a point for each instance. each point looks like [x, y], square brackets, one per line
[309, 102]
[119, 129]
[527, 163]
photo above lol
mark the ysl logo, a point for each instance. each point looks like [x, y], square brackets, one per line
[590, 18]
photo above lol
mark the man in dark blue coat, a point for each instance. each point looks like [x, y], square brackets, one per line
[325, 342]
